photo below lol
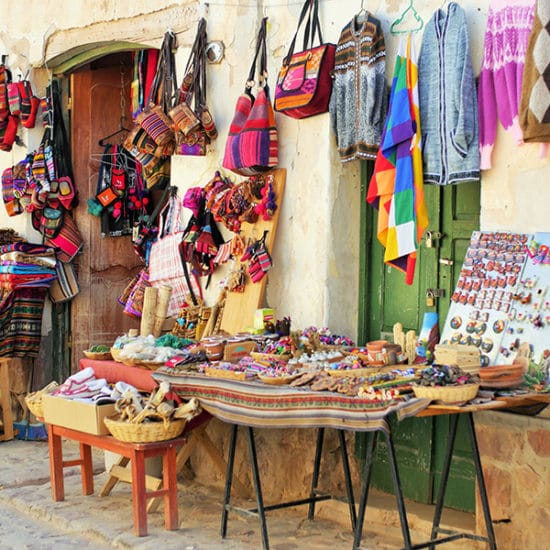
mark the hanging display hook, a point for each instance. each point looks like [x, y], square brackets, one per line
[414, 25]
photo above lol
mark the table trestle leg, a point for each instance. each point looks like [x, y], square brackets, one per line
[229, 478]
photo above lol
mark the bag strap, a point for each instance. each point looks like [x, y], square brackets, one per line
[195, 67]
[261, 53]
[312, 28]
[164, 85]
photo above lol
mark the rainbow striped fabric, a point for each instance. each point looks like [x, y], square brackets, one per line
[396, 188]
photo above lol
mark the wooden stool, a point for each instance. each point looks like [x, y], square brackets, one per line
[5, 400]
[197, 436]
[136, 453]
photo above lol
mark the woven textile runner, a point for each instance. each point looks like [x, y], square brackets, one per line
[21, 322]
[262, 405]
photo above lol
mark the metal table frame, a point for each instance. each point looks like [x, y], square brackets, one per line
[261, 509]
[357, 517]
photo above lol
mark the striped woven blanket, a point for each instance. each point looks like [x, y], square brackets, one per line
[262, 405]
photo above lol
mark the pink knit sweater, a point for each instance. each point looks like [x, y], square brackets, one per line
[509, 23]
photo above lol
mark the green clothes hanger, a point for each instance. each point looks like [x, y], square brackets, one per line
[414, 23]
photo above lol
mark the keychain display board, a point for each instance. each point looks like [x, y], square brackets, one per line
[529, 316]
[484, 305]
[239, 308]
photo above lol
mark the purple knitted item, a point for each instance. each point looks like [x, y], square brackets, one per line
[509, 24]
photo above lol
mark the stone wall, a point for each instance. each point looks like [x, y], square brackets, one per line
[515, 453]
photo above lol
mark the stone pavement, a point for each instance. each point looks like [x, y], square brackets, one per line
[29, 519]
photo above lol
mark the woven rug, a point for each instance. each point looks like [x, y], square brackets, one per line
[21, 321]
[267, 406]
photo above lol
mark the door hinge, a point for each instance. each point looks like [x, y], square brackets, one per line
[69, 104]
[446, 261]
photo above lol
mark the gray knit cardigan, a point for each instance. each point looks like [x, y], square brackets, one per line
[448, 100]
[359, 97]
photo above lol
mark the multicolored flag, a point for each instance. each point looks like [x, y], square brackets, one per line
[396, 188]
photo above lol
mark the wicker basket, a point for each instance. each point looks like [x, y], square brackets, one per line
[35, 405]
[115, 353]
[101, 356]
[266, 358]
[145, 432]
[151, 365]
[34, 400]
[460, 393]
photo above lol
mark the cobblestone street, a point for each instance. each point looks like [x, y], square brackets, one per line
[30, 519]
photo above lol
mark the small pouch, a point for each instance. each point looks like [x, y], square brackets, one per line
[29, 104]
[255, 270]
[263, 257]
[106, 197]
[208, 124]
[51, 221]
[192, 144]
[185, 119]
[155, 122]
[14, 99]
[118, 179]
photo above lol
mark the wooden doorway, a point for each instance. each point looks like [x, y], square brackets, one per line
[420, 442]
[106, 265]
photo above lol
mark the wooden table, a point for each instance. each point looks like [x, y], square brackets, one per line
[5, 401]
[136, 453]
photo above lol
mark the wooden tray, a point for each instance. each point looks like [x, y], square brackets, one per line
[266, 358]
[231, 374]
[279, 380]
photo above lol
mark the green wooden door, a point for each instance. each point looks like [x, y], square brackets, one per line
[385, 300]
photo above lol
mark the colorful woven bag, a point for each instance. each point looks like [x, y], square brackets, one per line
[304, 83]
[252, 144]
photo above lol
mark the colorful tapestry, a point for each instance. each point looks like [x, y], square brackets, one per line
[396, 188]
[21, 321]
[262, 405]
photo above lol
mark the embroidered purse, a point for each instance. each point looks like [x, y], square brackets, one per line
[304, 83]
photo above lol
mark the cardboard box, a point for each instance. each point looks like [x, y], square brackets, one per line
[77, 415]
[262, 316]
[235, 351]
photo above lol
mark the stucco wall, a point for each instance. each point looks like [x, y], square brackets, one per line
[317, 240]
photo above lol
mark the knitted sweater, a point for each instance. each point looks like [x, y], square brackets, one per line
[448, 105]
[534, 111]
[509, 23]
[359, 97]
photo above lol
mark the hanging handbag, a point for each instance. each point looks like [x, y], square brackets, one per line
[151, 141]
[68, 242]
[304, 83]
[165, 261]
[195, 127]
[252, 143]
[134, 302]
[65, 287]
[153, 119]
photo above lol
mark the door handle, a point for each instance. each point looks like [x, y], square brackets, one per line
[446, 261]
